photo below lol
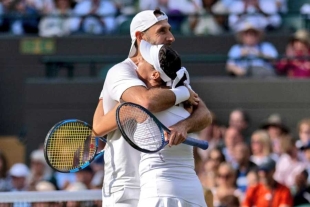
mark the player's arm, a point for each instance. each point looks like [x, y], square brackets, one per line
[158, 99]
[103, 124]
[197, 121]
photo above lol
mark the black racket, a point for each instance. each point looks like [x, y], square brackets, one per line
[70, 146]
[143, 131]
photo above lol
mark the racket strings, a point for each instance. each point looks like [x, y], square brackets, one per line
[140, 128]
[70, 145]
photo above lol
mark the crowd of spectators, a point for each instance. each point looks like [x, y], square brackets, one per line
[201, 17]
[267, 166]
[254, 57]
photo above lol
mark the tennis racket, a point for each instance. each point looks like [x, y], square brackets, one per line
[70, 146]
[143, 131]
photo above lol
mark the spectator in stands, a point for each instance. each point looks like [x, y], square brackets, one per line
[21, 25]
[210, 21]
[232, 138]
[176, 10]
[239, 119]
[276, 129]
[39, 170]
[244, 165]
[19, 173]
[44, 186]
[260, 146]
[154, 4]
[268, 192]
[262, 12]
[57, 23]
[288, 165]
[210, 169]
[5, 25]
[301, 189]
[214, 134]
[305, 148]
[251, 57]
[296, 63]
[303, 129]
[282, 6]
[4, 181]
[85, 177]
[94, 17]
[226, 184]
[98, 171]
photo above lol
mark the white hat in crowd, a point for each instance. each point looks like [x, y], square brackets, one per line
[19, 170]
[141, 22]
[38, 155]
[44, 186]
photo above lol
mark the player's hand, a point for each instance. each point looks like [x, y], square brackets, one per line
[176, 136]
[193, 98]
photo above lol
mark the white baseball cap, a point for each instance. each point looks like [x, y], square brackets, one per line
[141, 22]
[19, 170]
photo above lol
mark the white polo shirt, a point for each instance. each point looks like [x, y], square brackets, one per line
[121, 160]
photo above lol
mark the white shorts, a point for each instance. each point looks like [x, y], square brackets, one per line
[128, 197]
[165, 202]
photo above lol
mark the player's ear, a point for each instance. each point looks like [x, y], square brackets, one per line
[155, 75]
[139, 36]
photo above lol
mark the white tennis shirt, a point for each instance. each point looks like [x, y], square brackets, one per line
[121, 160]
[170, 172]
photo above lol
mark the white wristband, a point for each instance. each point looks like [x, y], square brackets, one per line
[181, 94]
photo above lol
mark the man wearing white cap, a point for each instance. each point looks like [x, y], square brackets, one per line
[19, 172]
[121, 181]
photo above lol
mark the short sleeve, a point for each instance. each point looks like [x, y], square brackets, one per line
[269, 50]
[120, 78]
[234, 53]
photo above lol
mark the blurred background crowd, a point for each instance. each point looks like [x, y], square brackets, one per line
[241, 163]
[200, 17]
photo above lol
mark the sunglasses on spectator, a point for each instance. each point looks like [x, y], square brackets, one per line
[224, 176]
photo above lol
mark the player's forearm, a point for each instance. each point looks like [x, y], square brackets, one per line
[103, 124]
[198, 120]
[155, 99]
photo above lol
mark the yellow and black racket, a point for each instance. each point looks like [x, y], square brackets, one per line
[71, 146]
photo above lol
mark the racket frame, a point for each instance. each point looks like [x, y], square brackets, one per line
[161, 127]
[87, 163]
[189, 141]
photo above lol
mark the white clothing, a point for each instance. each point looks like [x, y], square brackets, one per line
[287, 169]
[124, 198]
[164, 201]
[121, 160]
[168, 177]
[55, 25]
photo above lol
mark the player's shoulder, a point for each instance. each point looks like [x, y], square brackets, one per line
[124, 65]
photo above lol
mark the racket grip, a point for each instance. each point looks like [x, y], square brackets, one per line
[196, 143]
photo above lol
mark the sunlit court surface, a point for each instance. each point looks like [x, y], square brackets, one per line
[89, 113]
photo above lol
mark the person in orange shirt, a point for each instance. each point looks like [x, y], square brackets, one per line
[268, 193]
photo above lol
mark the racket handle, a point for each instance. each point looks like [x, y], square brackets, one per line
[196, 143]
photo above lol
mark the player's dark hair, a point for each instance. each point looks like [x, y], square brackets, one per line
[170, 62]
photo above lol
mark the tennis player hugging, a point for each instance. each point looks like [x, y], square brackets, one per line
[167, 178]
